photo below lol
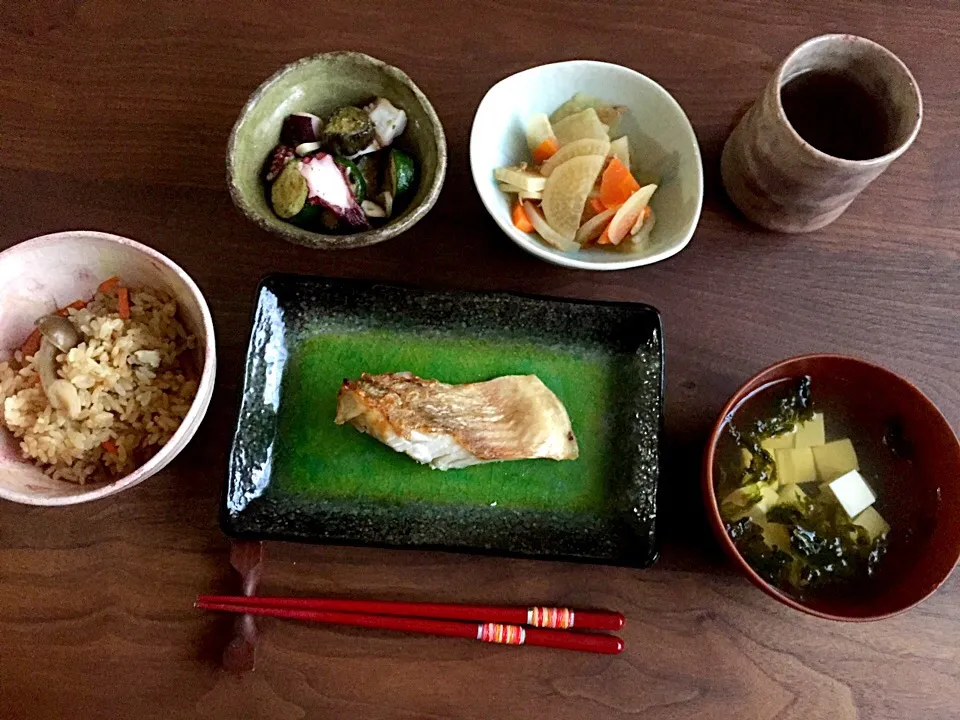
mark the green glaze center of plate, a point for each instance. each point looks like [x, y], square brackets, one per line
[320, 459]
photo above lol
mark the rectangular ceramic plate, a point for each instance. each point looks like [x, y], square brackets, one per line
[295, 475]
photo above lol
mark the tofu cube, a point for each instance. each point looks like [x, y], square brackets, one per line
[778, 442]
[810, 433]
[853, 493]
[795, 465]
[873, 522]
[835, 459]
[768, 498]
[758, 511]
[792, 496]
[777, 535]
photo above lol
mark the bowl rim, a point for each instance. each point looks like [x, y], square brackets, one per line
[322, 241]
[712, 506]
[198, 407]
[551, 255]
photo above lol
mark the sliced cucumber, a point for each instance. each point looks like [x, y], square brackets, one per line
[401, 174]
[288, 194]
[310, 217]
[354, 176]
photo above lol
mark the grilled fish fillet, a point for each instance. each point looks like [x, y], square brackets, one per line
[514, 417]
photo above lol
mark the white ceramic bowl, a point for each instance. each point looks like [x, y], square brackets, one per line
[662, 142]
[53, 270]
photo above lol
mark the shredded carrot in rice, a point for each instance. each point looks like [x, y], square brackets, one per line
[108, 284]
[123, 303]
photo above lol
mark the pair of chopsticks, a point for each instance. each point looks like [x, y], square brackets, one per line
[542, 626]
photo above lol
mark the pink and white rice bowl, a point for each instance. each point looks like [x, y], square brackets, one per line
[49, 272]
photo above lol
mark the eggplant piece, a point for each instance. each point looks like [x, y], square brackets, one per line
[327, 186]
[327, 218]
[369, 166]
[386, 200]
[300, 128]
[388, 120]
[349, 130]
[277, 161]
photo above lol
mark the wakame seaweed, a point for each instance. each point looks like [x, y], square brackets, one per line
[793, 408]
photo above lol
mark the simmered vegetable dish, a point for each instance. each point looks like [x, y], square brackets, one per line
[579, 190]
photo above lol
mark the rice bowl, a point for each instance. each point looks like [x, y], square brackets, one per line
[52, 271]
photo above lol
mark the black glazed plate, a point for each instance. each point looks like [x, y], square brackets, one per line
[295, 475]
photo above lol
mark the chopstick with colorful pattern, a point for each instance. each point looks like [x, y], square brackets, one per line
[485, 632]
[541, 617]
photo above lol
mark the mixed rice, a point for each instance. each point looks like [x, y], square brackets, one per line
[134, 381]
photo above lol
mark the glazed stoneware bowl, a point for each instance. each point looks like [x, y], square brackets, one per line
[662, 144]
[54, 270]
[905, 433]
[319, 85]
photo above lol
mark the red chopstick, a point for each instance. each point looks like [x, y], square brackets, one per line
[545, 617]
[486, 632]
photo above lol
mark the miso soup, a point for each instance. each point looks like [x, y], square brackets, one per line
[812, 489]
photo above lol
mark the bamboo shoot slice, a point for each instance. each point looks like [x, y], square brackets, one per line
[640, 235]
[578, 103]
[549, 235]
[521, 177]
[610, 114]
[520, 192]
[587, 146]
[628, 213]
[538, 130]
[566, 191]
[582, 125]
[620, 149]
[593, 228]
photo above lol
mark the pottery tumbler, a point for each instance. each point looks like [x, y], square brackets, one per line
[782, 182]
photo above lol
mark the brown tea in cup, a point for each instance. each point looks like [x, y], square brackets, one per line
[836, 113]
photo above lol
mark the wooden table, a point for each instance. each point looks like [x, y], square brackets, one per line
[114, 116]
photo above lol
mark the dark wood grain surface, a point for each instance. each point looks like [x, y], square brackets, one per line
[114, 116]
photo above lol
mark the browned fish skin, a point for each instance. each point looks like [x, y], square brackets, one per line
[509, 418]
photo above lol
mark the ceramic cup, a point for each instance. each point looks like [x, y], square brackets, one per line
[781, 181]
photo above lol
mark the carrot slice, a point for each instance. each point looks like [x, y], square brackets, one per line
[598, 205]
[76, 305]
[545, 150]
[604, 239]
[110, 446]
[617, 184]
[123, 303]
[31, 344]
[520, 219]
[108, 284]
